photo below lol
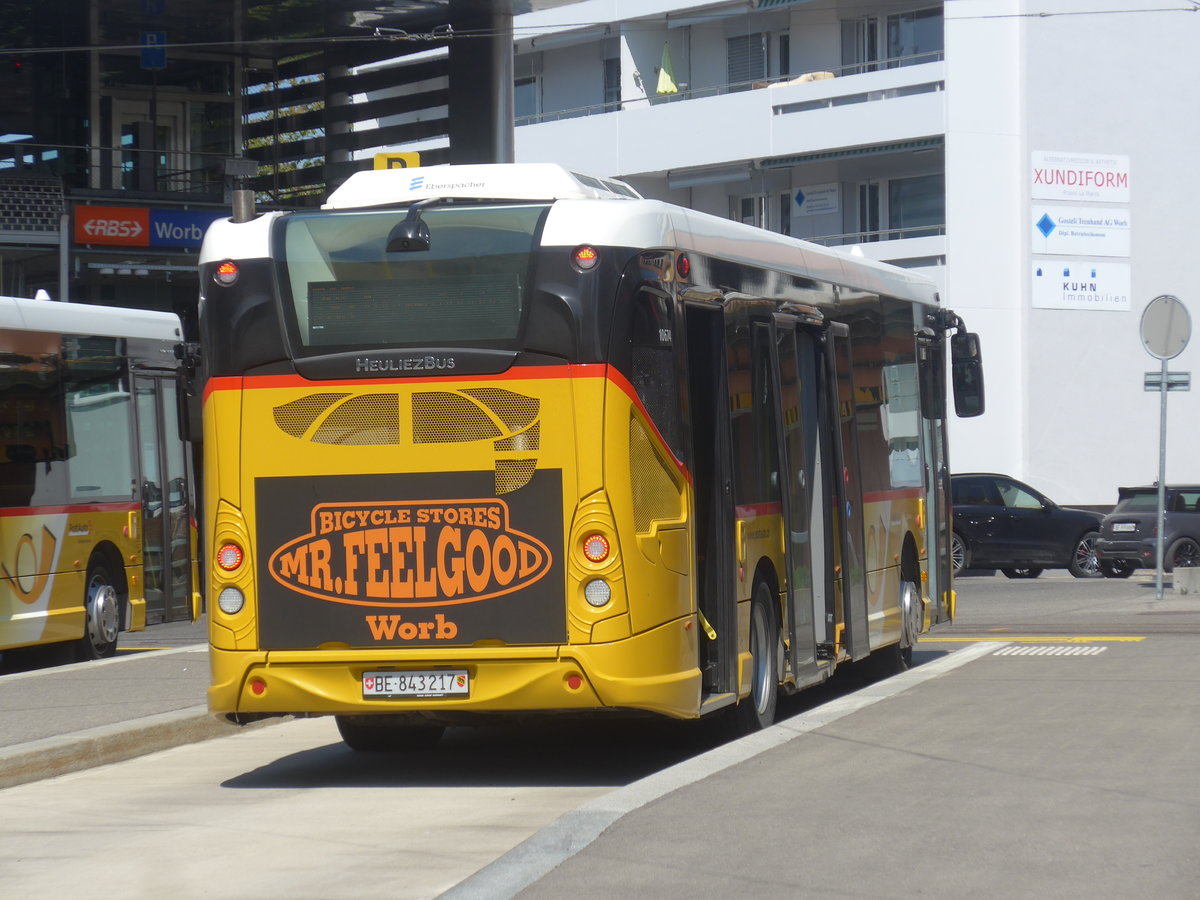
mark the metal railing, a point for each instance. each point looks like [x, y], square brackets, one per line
[868, 237]
[118, 168]
[729, 88]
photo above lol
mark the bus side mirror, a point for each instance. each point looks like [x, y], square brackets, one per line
[966, 364]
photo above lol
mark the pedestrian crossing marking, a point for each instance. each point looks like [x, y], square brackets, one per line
[1051, 650]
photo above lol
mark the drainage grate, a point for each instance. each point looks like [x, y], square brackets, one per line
[1049, 651]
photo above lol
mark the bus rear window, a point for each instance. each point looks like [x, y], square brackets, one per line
[347, 291]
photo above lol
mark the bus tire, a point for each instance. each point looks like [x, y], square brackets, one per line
[102, 605]
[381, 734]
[757, 711]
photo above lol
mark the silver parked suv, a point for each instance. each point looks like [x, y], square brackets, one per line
[1129, 534]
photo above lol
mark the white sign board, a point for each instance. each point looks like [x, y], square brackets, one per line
[1078, 284]
[1080, 230]
[1079, 176]
[815, 200]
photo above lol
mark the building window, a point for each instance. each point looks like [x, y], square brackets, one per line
[916, 203]
[612, 84]
[785, 213]
[785, 55]
[915, 34]
[900, 39]
[527, 86]
[747, 58]
[750, 210]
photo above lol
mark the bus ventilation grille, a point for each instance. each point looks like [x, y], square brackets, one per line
[507, 419]
[655, 495]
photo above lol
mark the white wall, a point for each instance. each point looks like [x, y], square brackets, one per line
[1066, 408]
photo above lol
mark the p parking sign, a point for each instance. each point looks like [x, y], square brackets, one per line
[397, 160]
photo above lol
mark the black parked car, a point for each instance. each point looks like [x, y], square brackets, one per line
[1129, 534]
[1001, 523]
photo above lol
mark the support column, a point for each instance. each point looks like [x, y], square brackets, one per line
[481, 82]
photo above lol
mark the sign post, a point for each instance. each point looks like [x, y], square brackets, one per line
[1166, 328]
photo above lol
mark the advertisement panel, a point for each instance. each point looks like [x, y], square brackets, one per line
[409, 560]
[1078, 284]
[1080, 230]
[1080, 176]
[129, 226]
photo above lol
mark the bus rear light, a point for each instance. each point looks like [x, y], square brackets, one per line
[226, 274]
[595, 548]
[574, 681]
[258, 687]
[597, 592]
[585, 258]
[683, 266]
[231, 601]
[229, 557]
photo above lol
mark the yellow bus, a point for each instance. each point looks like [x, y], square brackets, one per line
[496, 440]
[96, 525]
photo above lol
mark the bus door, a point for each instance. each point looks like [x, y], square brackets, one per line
[937, 520]
[166, 504]
[852, 557]
[807, 513]
[712, 489]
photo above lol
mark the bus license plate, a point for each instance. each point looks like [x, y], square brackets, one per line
[431, 683]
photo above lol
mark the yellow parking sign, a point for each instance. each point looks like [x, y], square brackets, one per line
[397, 160]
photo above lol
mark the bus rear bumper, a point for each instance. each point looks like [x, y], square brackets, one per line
[255, 684]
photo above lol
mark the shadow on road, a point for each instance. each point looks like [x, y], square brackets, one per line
[545, 752]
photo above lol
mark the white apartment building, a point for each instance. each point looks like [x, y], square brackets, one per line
[1031, 157]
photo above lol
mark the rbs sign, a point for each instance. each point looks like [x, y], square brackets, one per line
[125, 226]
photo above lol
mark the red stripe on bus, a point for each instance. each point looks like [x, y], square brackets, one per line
[754, 510]
[117, 506]
[898, 494]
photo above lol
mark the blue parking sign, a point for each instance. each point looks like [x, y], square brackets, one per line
[154, 49]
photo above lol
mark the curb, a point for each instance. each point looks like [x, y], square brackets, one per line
[49, 757]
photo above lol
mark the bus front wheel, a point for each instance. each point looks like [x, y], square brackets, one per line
[757, 711]
[102, 604]
[382, 734]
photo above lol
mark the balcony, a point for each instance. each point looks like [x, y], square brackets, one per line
[809, 114]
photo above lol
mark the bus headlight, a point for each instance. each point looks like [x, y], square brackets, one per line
[597, 592]
[231, 601]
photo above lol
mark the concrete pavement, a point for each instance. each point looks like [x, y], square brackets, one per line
[62, 718]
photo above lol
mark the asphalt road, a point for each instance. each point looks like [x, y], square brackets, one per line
[1045, 744]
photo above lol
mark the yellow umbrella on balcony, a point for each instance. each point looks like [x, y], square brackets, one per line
[666, 74]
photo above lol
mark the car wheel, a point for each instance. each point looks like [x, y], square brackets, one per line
[960, 553]
[379, 734]
[1116, 568]
[103, 606]
[1183, 553]
[1084, 562]
[1022, 572]
[757, 711]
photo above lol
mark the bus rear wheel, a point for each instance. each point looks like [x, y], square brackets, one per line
[384, 734]
[757, 711]
[102, 604]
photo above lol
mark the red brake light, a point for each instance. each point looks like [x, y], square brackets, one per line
[229, 557]
[683, 266]
[585, 258]
[226, 274]
[595, 548]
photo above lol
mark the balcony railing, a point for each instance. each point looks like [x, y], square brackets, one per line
[732, 88]
[867, 237]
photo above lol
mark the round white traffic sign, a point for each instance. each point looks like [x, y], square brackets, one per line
[1166, 327]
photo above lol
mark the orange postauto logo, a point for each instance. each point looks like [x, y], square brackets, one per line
[420, 553]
